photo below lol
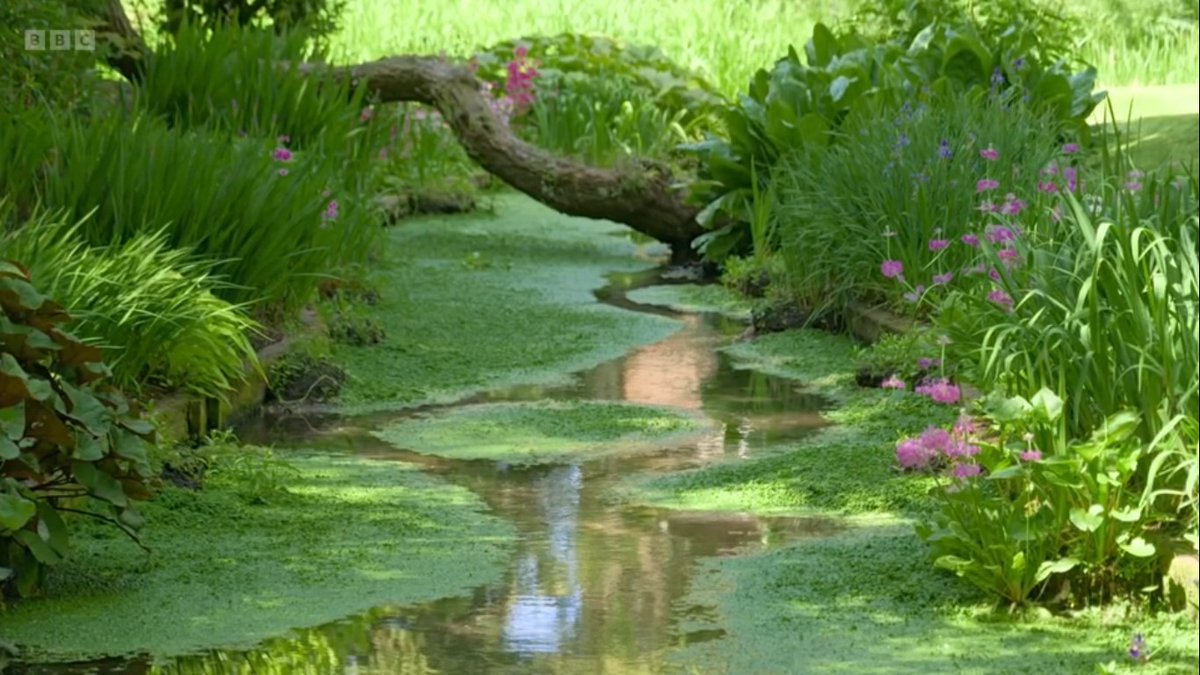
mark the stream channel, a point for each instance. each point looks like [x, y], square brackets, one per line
[593, 586]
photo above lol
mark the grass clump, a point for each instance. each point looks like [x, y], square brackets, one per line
[530, 433]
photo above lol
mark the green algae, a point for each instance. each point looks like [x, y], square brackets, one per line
[846, 469]
[350, 534]
[694, 298]
[545, 432]
[867, 601]
[470, 303]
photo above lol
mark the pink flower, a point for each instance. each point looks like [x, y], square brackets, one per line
[1031, 456]
[893, 382]
[915, 294]
[284, 140]
[1009, 256]
[962, 449]
[1047, 187]
[986, 184]
[943, 279]
[970, 240]
[910, 454]
[938, 244]
[941, 391]
[366, 114]
[965, 471]
[1001, 298]
[935, 440]
[1001, 234]
[926, 363]
[1070, 148]
[1012, 206]
[521, 51]
[990, 154]
[892, 268]
[965, 426]
[283, 155]
[331, 211]
[1072, 176]
[1133, 186]
[283, 172]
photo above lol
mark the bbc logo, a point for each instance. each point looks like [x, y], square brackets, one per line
[60, 40]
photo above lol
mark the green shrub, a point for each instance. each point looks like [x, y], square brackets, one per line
[256, 474]
[69, 442]
[1090, 347]
[319, 17]
[150, 308]
[896, 186]
[271, 221]
[799, 106]
[62, 79]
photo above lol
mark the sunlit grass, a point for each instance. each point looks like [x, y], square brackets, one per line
[726, 40]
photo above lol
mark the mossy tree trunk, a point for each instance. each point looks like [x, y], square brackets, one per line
[644, 195]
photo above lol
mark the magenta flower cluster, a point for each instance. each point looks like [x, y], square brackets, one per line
[937, 449]
[521, 74]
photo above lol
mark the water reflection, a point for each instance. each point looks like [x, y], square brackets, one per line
[593, 586]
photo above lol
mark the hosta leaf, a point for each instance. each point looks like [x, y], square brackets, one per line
[1139, 548]
[1047, 405]
[1060, 566]
[1087, 521]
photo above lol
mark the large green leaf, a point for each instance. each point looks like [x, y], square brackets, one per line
[38, 547]
[966, 59]
[15, 511]
[821, 47]
[1060, 566]
[52, 528]
[1087, 521]
[100, 484]
[1047, 405]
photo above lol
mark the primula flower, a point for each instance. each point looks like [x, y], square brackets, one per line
[965, 471]
[284, 140]
[986, 185]
[943, 279]
[1001, 298]
[892, 268]
[990, 154]
[941, 391]
[1048, 187]
[965, 426]
[366, 114]
[961, 449]
[911, 454]
[1031, 456]
[935, 440]
[893, 382]
[915, 294]
[283, 155]
[1072, 176]
[1009, 256]
[970, 240]
[1070, 148]
[1012, 205]
[994, 274]
[331, 211]
[938, 244]
[1001, 234]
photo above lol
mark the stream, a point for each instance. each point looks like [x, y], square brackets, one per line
[593, 586]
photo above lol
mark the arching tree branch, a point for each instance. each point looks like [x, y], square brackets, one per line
[645, 195]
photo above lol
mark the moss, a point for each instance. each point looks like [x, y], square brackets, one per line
[710, 298]
[470, 303]
[349, 535]
[867, 601]
[846, 468]
[528, 433]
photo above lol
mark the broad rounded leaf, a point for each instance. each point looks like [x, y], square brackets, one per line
[15, 511]
[1139, 548]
